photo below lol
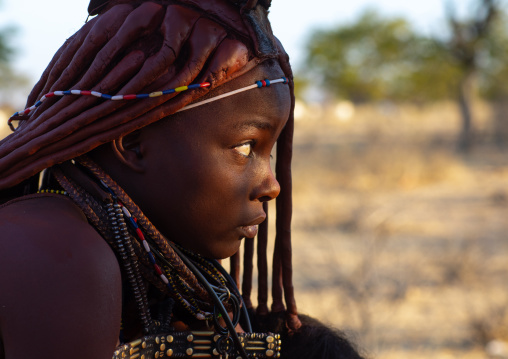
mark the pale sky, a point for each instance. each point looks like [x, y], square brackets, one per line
[43, 25]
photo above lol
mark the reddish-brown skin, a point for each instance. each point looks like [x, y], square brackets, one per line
[60, 282]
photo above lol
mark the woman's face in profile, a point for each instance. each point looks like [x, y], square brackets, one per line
[211, 166]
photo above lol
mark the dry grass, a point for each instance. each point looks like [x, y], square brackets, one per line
[398, 238]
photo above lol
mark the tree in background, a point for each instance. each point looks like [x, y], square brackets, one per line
[379, 59]
[494, 70]
[6, 54]
[9, 79]
[376, 58]
[468, 43]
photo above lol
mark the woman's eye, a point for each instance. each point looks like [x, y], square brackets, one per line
[245, 149]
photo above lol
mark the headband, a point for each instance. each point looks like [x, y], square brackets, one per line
[258, 84]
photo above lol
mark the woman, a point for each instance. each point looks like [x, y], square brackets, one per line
[154, 125]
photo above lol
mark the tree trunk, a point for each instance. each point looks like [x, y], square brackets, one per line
[501, 123]
[465, 141]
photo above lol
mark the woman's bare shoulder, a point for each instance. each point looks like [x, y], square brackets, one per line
[48, 227]
[61, 283]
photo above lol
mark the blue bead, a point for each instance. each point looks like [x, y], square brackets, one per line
[166, 92]
[267, 83]
[151, 257]
[194, 86]
[143, 95]
[259, 83]
[67, 93]
[38, 103]
[108, 97]
[132, 222]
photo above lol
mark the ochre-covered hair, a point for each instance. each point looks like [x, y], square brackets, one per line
[136, 46]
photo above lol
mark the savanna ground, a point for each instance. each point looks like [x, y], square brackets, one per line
[399, 240]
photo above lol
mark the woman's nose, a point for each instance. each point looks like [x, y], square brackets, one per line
[268, 188]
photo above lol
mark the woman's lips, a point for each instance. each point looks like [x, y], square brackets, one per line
[249, 231]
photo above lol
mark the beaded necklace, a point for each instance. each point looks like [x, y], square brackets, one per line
[167, 278]
[55, 191]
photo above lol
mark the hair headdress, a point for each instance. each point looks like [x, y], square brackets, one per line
[143, 47]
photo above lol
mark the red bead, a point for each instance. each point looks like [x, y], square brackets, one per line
[157, 269]
[140, 234]
[205, 84]
[51, 94]
[27, 111]
[129, 97]
[263, 82]
[88, 93]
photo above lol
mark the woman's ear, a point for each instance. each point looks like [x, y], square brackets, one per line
[128, 150]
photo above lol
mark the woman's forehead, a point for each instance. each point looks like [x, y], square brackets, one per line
[265, 70]
[273, 101]
[266, 106]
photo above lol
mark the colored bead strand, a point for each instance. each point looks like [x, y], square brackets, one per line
[258, 84]
[141, 238]
[106, 96]
[192, 308]
[55, 191]
[190, 303]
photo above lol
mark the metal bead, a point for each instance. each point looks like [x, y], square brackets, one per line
[190, 338]
[270, 339]
[169, 352]
[269, 353]
[170, 338]
[189, 351]
[163, 347]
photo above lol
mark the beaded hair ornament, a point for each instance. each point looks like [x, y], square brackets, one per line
[262, 83]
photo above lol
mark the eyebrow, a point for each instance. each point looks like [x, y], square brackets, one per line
[261, 125]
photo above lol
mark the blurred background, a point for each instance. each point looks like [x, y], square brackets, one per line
[400, 166]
